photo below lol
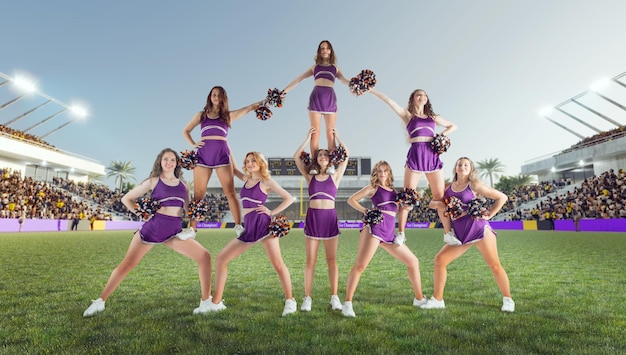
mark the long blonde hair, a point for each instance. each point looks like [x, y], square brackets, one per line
[261, 162]
[374, 174]
[473, 175]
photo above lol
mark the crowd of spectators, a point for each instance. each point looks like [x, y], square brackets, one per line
[66, 199]
[7, 131]
[598, 138]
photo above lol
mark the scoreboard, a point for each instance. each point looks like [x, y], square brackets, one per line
[287, 167]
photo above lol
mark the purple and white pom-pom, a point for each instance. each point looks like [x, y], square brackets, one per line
[454, 207]
[338, 155]
[407, 197]
[477, 208]
[362, 82]
[188, 159]
[275, 97]
[197, 209]
[263, 113]
[440, 144]
[372, 216]
[279, 226]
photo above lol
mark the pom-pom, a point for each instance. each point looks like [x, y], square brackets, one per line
[305, 157]
[363, 82]
[477, 208]
[338, 155]
[454, 207]
[197, 209]
[372, 216]
[407, 197]
[146, 207]
[188, 159]
[279, 226]
[440, 143]
[275, 97]
[263, 113]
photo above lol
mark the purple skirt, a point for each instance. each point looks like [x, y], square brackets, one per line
[422, 159]
[160, 228]
[323, 100]
[321, 224]
[384, 231]
[214, 153]
[257, 227]
[469, 230]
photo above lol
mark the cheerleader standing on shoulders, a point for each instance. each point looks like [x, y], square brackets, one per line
[257, 217]
[321, 223]
[323, 100]
[470, 230]
[214, 152]
[420, 121]
[172, 194]
[383, 197]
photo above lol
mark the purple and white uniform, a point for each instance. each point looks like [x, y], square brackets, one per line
[257, 223]
[215, 152]
[384, 200]
[321, 223]
[323, 98]
[467, 229]
[421, 157]
[161, 228]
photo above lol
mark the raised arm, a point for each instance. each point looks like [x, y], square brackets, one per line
[403, 113]
[296, 81]
[237, 114]
[341, 168]
[296, 156]
[195, 121]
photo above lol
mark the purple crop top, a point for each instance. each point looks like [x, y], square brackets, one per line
[465, 195]
[252, 197]
[170, 196]
[213, 127]
[325, 72]
[322, 190]
[421, 127]
[385, 200]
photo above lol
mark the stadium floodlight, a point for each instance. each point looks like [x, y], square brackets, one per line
[79, 113]
[23, 85]
[546, 111]
[600, 84]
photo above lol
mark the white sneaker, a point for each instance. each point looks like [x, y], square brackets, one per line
[451, 239]
[399, 238]
[347, 310]
[187, 233]
[239, 229]
[306, 304]
[96, 306]
[434, 303]
[335, 303]
[420, 303]
[508, 305]
[290, 307]
[208, 306]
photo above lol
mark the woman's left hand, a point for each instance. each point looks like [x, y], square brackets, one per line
[263, 209]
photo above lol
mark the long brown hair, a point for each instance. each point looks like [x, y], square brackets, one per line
[157, 169]
[374, 175]
[314, 164]
[318, 57]
[224, 113]
[428, 108]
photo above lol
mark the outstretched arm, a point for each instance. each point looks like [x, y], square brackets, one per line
[342, 78]
[237, 114]
[296, 81]
[404, 114]
[296, 156]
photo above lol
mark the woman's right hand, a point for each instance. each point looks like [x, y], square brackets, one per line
[199, 144]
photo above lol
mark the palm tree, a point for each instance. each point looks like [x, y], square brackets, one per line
[489, 167]
[508, 184]
[94, 178]
[121, 170]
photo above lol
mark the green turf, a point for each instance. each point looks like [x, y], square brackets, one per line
[568, 287]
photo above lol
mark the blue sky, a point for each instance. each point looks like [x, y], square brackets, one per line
[143, 68]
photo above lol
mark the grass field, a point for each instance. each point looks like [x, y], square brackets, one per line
[568, 287]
